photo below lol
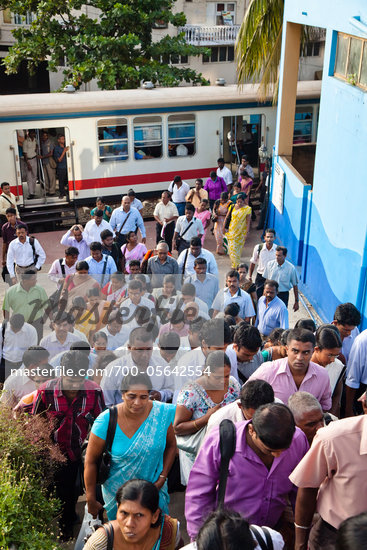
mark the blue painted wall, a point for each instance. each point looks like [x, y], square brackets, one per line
[326, 229]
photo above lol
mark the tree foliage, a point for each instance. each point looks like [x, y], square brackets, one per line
[107, 40]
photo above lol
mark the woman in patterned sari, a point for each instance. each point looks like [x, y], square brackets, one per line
[238, 229]
[143, 447]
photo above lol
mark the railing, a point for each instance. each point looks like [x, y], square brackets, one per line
[207, 35]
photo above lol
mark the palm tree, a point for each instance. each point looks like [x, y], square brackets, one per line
[258, 45]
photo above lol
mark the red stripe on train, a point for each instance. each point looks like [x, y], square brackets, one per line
[81, 185]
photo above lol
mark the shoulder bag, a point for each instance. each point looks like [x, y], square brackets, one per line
[191, 443]
[180, 236]
[104, 463]
[268, 545]
[35, 255]
[108, 527]
[118, 233]
[227, 447]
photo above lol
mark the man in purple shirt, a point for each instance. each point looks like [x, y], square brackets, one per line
[215, 185]
[267, 448]
[297, 372]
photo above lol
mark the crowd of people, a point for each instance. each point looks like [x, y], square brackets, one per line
[144, 353]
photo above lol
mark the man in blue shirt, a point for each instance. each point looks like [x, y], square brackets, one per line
[61, 167]
[101, 266]
[233, 294]
[271, 310]
[126, 218]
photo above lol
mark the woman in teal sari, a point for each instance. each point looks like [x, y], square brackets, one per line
[143, 447]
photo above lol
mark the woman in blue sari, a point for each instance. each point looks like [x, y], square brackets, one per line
[143, 447]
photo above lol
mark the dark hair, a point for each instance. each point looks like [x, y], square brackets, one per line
[189, 206]
[18, 226]
[176, 179]
[129, 234]
[328, 337]
[75, 361]
[169, 279]
[71, 251]
[247, 337]
[199, 180]
[169, 341]
[224, 195]
[217, 359]
[131, 193]
[145, 492]
[99, 334]
[241, 196]
[2, 185]
[347, 314]
[221, 159]
[301, 335]
[100, 199]
[233, 273]
[244, 157]
[61, 317]
[135, 285]
[275, 336]
[98, 213]
[273, 283]
[10, 210]
[80, 345]
[188, 289]
[213, 174]
[115, 316]
[195, 241]
[352, 531]
[256, 393]
[270, 230]
[274, 425]
[308, 324]
[135, 263]
[140, 333]
[200, 261]
[284, 337]
[196, 325]
[118, 275]
[34, 355]
[243, 266]
[17, 321]
[95, 246]
[282, 249]
[232, 309]
[177, 317]
[106, 233]
[215, 332]
[140, 379]
[225, 529]
[82, 265]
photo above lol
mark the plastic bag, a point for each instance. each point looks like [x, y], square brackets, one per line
[89, 525]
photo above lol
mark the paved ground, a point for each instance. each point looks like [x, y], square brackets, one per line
[51, 244]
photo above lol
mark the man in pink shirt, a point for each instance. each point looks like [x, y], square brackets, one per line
[297, 372]
[333, 477]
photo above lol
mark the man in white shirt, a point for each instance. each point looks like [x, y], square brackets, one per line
[134, 300]
[254, 394]
[165, 214]
[25, 252]
[7, 200]
[60, 338]
[30, 152]
[187, 258]
[187, 227]
[261, 256]
[140, 356]
[16, 337]
[20, 382]
[224, 172]
[75, 237]
[179, 190]
[63, 267]
[233, 294]
[285, 274]
[134, 202]
[188, 295]
[116, 332]
[94, 228]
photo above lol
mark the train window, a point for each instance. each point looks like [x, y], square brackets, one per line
[147, 137]
[303, 125]
[181, 135]
[112, 139]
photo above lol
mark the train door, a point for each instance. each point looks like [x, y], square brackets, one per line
[243, 135]
[38, 179]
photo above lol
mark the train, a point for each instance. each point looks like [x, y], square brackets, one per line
[142, 138]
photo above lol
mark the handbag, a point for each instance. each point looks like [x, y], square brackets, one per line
[52, 162]
[104, 462]
[227, 447]
[191, 443]
[228, 219]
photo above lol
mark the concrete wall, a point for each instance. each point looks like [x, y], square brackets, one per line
[330, 243]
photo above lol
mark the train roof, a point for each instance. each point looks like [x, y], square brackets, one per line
[25, 105]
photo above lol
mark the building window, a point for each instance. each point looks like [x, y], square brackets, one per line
[225, 13]
[351, 60]
[303, 125]
[311, 49]
[160, 24]
[112, 139]
[181, 135]
[23, 19]
[147, 137]
[219, 54]
[175, 59]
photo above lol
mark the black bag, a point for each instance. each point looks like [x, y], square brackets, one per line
[268, 545]
[104, 463]
[108, 527]
[228, 219]
[35, 255]
[227, 446]
[180, 237]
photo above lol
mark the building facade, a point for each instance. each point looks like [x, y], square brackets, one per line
[319, 212]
